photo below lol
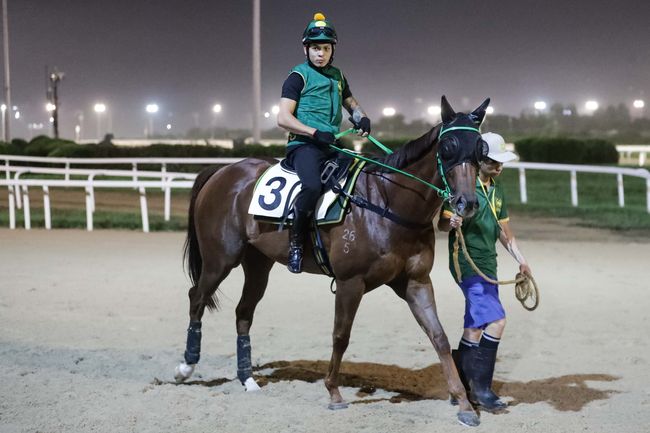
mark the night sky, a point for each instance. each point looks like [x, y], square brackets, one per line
[187, 55]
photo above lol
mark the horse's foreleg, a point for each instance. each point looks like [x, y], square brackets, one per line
[348, 298]
[256, 270]
[421, 301]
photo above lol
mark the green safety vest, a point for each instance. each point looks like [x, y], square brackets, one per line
[481, 232]
[320, 104]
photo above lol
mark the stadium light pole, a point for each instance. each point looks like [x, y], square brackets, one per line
[216, 109]
[151, 109]
[6, 122]
[591, 106]
[3, 109]
[257, 72]
[99, 108]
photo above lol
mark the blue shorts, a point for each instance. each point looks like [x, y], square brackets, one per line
[482, 304]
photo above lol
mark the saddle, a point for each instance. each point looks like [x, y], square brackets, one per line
[277, 189]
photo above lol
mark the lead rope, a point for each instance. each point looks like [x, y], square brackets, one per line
[525, 285]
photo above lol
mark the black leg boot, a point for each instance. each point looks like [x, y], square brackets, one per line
[479, 369]
[297, 235]
[457, 355]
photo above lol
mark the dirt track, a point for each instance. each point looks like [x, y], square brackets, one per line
[94, 323]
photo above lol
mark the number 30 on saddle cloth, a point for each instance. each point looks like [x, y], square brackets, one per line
[277, 189]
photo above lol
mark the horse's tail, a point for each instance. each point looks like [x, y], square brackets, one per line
[191, 251]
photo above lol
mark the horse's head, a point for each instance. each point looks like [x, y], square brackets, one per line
[461, 149]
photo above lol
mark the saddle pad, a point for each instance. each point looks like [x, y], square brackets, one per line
[277, 188]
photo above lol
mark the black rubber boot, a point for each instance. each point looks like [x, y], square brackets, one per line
[457, 356]
[297, 234]
[478, 365]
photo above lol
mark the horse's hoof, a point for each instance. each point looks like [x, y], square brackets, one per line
[182, 372]
[337, 406]
[251, 385]
[468, 418]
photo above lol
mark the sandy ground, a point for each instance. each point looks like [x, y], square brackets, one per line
[92, 325]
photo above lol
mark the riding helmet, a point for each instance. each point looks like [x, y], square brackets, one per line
[319, 30]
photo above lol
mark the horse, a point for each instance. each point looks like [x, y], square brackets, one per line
[366, 250]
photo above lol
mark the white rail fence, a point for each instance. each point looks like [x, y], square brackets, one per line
[627, 150]
[573, 182]
[18, 187]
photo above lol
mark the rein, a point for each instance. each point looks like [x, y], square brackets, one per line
[525, 285]
[444, 193]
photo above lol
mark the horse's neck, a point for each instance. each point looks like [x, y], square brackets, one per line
[411, 197]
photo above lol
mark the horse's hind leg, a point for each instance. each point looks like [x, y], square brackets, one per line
[256, 270]
[421, 301]
[213, 272]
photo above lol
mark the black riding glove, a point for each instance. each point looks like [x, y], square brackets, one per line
[362, 125]
[324, 137]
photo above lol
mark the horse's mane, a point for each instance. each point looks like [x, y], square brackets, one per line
[411, 151]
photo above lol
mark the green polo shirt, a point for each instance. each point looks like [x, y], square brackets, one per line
[481, 231]
[321, 99]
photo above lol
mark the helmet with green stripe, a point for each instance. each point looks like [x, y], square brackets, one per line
[319, 30]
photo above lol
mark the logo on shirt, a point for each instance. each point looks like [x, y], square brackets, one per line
[498, 203]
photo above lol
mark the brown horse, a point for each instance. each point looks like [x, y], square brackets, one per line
[366, 250]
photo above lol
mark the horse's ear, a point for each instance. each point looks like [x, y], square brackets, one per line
[479, 114]
[447, 113]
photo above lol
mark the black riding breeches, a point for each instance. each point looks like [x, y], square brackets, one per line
[308, 160]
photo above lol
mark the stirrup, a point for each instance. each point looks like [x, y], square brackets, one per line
[294, 260]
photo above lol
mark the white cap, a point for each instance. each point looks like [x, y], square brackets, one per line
[497, 148]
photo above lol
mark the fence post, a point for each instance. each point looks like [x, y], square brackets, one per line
[523, 194]
[621, 191]
[641, 159]
[26, 212]
[574, 188]
[89, 209]
[91, 177]
[163, 172]
[168, 199]
[647, 187]
[19, 201]
[143, 210]
[67, 170]
[46, 207]
[12, 209]
[134, 166]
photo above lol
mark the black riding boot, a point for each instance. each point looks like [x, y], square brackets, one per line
[457, 356]
[297, 234]
[478, 365]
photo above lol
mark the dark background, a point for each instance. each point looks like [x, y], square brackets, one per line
[187, 55]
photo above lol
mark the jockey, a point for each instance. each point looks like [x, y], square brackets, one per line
[310, 109]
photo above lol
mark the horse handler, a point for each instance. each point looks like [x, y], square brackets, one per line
[310, 109]
[484, 314]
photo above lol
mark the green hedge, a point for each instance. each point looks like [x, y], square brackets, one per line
[46, 146]
[566, 150]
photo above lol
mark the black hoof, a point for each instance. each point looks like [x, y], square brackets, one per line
[469, 418]
[494, 407]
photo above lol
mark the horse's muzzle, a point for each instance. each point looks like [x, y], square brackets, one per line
[464, 206]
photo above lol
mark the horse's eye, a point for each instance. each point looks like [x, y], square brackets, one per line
[449, 148]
